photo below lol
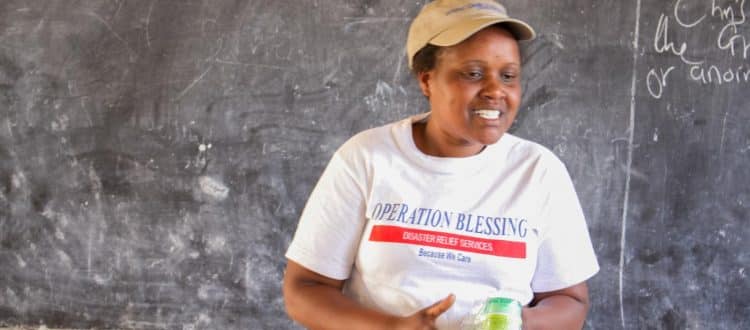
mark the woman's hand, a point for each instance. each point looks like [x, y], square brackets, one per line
[425, 318]
[316, 302]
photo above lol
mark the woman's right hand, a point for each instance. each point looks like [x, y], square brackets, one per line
[316, 302]
[425, 318]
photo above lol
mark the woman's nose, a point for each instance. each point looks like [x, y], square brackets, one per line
[493, 89]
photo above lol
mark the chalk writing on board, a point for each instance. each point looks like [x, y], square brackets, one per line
[729, 42]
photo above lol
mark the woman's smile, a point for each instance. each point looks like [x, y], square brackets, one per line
[488, 114]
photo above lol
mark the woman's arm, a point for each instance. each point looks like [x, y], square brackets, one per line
[316, 301]
[560, 309]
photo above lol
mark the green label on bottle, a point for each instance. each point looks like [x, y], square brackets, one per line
[496, 322]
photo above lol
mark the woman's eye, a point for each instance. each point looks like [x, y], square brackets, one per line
[509, 77]
[473, 75]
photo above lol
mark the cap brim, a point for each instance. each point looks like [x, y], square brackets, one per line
[461, 32]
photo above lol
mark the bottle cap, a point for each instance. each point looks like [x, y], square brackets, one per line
[502, 305]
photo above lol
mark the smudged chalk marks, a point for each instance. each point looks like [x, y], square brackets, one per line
[213, 188]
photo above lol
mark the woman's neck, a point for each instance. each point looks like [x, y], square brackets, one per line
[430, 144]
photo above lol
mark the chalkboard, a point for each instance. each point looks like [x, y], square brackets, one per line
[155, 155]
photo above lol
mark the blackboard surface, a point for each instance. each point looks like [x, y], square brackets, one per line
[155, 155]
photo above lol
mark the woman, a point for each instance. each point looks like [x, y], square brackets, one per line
[414, 222]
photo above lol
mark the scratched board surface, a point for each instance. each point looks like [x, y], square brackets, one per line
[155, 155]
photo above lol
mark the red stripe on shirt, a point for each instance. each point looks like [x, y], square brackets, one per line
[495, 247]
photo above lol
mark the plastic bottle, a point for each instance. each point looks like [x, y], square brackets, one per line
[500, 313]
[494, 313]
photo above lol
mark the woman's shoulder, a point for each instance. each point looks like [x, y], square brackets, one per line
[366, 139]
[375, 140]
[527, 150]
[524, 146]
[379, 137]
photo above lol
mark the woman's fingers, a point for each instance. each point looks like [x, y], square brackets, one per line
[440, 307]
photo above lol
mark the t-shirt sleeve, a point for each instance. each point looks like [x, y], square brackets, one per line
[566, 256]
[330, 228]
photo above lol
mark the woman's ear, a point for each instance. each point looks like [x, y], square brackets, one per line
[424, 82]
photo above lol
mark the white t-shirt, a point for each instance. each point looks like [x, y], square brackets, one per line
[406, 229]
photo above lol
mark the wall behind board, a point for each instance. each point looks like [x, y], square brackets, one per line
[155, 155]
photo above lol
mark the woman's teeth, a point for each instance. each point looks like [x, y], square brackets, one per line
[488, 114]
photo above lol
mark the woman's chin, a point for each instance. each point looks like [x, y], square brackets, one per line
[487, 139]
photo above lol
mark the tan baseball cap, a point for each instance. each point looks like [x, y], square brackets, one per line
[448, 22]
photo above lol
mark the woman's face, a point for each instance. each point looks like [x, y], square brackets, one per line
[474, 92]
